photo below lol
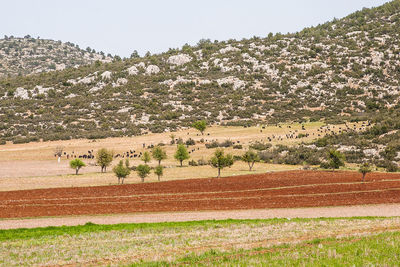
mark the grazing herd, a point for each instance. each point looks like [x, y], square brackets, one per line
[73, 155]
[292, 134]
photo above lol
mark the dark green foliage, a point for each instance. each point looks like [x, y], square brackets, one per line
[181, 154]
[159, 154]
[200, 126]
[220, 160]
[122, 171]
[215, 144]
[250, 157]
[335, 159]
[260, 146]
[76, 164]
[159, 171]
[104, 158]
[190, 142]
[364, 169]
[143, 170]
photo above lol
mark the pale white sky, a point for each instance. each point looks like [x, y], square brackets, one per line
[121, 26]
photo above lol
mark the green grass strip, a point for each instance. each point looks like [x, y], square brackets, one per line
[27, 233]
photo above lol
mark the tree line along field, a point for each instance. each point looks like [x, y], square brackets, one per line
[35, 165]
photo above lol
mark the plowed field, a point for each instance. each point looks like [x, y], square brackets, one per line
[272, 190]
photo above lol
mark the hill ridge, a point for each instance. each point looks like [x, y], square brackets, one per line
[341, 70]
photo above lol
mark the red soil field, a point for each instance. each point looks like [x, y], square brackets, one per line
[273, 190]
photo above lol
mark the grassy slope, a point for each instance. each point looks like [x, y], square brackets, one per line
[204, 242]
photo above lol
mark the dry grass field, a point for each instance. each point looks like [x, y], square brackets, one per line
[120, 245]
[33, 165]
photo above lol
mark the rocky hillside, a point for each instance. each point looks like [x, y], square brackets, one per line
[341, 70]
[22, 56]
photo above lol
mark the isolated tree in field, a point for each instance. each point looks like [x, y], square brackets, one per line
[181, 154]
[58, 152]
[220, 160]
[200, 126]
[364, 169]
[335, 159]
[121, 170]
[143, 170]
[104, 158]
[146, 157]
[159, 171]
[76, 164]
[250, 157]
[159, 154]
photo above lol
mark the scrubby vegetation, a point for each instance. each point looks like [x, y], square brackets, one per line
[28, 55]
[338, 71]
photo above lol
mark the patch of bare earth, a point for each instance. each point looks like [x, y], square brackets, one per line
[294, 189]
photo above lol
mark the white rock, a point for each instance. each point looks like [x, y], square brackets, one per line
[72, 81]
[133, 70]
[152, 69]
[60, 66]
[120, 81]
[229, 48]
[106, 75]
[87, 80]
[179, 60]
[21, 92]
[42, 90]
[141, 65]
[232, 80]
[99, 86]
[124, 110]
[371, 152]
[204, 82]
[70, 96]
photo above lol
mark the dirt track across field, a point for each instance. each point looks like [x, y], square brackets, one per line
[382, 210]
[292, 189]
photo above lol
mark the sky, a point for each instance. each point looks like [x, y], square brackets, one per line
[121, 26]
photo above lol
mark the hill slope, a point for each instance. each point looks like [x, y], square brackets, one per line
[22, 56]
[342, 69]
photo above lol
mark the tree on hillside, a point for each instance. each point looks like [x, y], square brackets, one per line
[143, 170]
[121, 170]
[135, 54]
[181, 154]
[335, 159]
[159, 154]
[200, 126]
[146, 157]
[76, 164]
[159, 171]
[104, 158]
[58, 152]
[364, 169]
[250, 157]
[220, 160]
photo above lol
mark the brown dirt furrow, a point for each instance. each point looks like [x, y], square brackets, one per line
[323, 189]
[272, 190]
[246, 182]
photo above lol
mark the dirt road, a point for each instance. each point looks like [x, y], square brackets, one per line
[384, 210]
